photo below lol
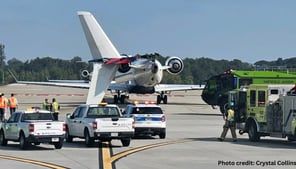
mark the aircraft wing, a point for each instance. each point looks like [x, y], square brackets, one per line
[77, 84]
[59, 84]
[69, 81]
[177, 87]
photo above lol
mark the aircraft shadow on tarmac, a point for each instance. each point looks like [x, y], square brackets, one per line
[263, 143]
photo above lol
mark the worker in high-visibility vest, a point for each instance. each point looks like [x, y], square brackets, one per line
[55, 108]
[229, 124]
[3, 105]
[46, 105]
[12, 103]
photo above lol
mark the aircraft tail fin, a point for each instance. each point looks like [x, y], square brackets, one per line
[101, 48]
[98, 42]
[101, 78]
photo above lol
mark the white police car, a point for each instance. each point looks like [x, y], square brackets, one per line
[149, 119]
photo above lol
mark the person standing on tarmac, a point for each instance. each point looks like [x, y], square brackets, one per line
[55, 107]
[46, 105]
[229, 124]
[2, 107]
[12, 103]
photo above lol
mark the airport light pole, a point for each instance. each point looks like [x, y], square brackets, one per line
[2, 58]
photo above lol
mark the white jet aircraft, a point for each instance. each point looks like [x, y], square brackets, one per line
[121, 73]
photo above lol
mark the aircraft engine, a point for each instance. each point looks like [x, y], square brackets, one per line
[176, 65]
[85, 74]
[123, 68]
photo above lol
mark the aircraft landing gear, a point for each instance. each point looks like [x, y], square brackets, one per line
[162, 97]
[119, 98]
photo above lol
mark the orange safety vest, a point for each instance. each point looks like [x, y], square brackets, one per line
[12, 102]
[2, 103]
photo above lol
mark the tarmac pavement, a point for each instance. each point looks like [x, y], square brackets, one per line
[191, 142]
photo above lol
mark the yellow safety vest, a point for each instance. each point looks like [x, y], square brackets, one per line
[230, 115]
[55, 107]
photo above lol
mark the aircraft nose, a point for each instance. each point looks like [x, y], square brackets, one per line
[154, 68]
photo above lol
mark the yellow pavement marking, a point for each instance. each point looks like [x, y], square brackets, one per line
[108, 160]
[107, 164]
[142, 148]
[39, 163]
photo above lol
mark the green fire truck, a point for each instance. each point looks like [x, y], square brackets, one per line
[265, 110]
[216, 90]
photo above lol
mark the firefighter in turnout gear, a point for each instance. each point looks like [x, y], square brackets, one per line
[229, 124]
[55, 108]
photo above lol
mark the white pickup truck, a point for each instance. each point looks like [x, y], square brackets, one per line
[32, 126]
[103, 122]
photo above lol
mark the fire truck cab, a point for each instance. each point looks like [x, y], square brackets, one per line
[265, 110]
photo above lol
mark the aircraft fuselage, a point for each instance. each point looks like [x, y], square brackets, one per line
[147, 73]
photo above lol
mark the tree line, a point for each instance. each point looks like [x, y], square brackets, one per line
[196, 70]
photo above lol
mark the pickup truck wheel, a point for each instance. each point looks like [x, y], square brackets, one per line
[126, 142]
[162, 135]
[89, 141]
[3, 141]
[58, 145]
[68, 137]
[23, 141]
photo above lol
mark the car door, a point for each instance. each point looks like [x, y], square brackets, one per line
[9, 126]
[79, 122]
[72, 122]
[15, 126]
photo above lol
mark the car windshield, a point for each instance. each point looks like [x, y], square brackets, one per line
[147, 110]
[102, 112]
[37, 116]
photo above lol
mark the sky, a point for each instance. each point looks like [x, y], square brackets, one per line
[230, 29]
